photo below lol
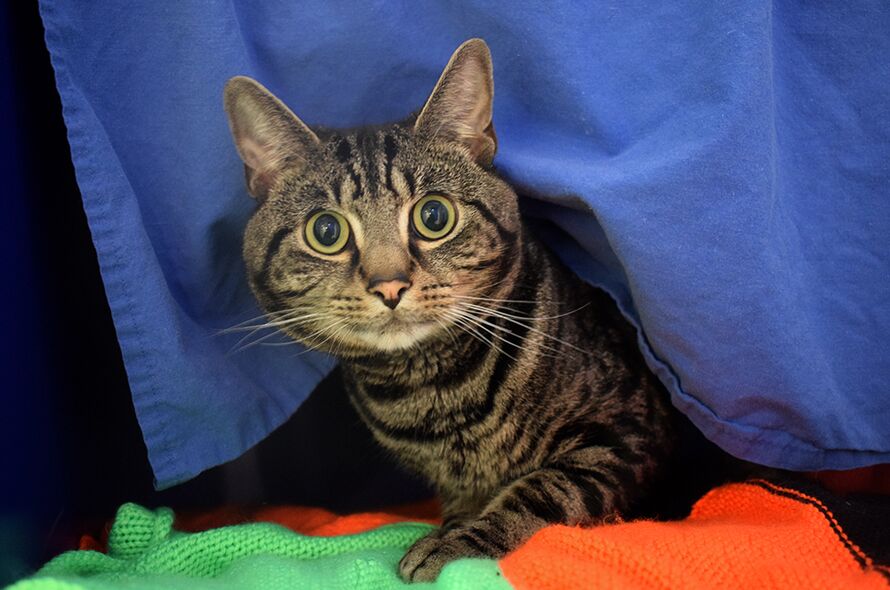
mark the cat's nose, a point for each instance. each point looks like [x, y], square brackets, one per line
[390, 289]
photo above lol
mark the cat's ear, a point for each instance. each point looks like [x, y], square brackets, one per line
[268, 136]
[459, 108]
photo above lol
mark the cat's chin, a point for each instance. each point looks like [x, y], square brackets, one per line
[396, 337]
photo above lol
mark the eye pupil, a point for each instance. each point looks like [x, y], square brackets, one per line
[434, 215]
[326, 229]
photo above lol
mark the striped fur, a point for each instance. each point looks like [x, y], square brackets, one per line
[514, 387]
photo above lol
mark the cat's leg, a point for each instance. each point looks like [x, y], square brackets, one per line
[582, 487]
[458, 509]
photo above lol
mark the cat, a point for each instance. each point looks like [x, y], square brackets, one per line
[472, 353]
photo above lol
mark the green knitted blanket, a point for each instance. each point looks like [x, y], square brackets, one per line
[145, 552]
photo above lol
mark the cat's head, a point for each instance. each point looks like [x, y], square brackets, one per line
[379, 238]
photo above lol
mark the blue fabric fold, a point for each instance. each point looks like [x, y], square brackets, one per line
[722, 169]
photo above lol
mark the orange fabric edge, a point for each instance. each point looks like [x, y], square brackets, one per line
[739, 535]
[826, 513]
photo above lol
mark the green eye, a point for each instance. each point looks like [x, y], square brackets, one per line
[433, 217]
[327, 232]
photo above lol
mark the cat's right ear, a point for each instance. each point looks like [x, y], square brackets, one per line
[459, 109]
[269, 138]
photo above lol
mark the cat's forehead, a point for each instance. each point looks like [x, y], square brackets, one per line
[371, 167]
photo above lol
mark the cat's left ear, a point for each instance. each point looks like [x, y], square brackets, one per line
[460, 106]
[269, 138]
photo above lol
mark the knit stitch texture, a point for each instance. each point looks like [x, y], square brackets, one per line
[758, 534]
[145, 552]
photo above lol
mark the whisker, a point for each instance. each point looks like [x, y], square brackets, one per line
[505, 300]
[483, 286]
[446, 329]
[276, 324]
[526, 326]
[476, 322]
[524, 316]
[292, 342]
[495, 326]
[242, 327]
[297, 321]
[311, 346]
[539, 346]
[341, 336]
[263, 316]
[471, 321]
[465, 327]
[245, 322]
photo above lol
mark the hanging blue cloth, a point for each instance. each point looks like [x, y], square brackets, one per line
[723, 169]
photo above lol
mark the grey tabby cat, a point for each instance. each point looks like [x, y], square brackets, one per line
[470, 351]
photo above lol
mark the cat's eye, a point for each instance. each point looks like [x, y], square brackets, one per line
[327, 232]
[433, 217]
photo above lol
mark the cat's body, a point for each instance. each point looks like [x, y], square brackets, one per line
[473, 418]
[473, 354]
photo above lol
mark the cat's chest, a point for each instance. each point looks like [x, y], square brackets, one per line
[459, 460]
[448, 436]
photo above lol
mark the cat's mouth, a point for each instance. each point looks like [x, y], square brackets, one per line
[396, 333]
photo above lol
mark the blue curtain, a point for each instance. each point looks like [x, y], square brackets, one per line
[721, 168]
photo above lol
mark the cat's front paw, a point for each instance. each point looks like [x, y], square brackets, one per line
[426, 558]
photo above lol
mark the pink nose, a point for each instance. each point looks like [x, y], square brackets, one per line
[389, 290]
